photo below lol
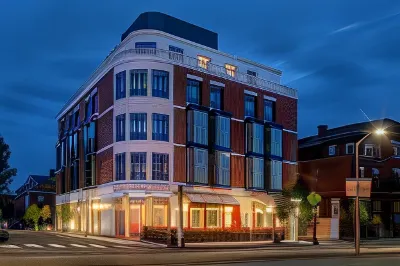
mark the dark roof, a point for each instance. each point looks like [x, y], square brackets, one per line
[41, 179]
[352, 130]
[163, 22]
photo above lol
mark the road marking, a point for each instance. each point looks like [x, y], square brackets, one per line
[97, 246]
[9, 246]
[33, 246]
[78, 246]
[56, 246]
[123, 247]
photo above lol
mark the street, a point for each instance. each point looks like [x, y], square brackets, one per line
[50, 248]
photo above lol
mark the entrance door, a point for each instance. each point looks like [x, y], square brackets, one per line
[134, 228]
[120, 222]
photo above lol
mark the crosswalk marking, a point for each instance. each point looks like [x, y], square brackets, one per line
[9, 246]
[33, 246]
[56, 246]
[97, 246]
[122, 247]
[78, 246]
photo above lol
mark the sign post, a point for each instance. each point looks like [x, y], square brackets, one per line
[358, 187]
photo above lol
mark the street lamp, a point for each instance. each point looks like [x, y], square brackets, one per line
[379, 131]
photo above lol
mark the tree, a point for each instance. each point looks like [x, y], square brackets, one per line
[32, 214]
[45, 213]
[6, 173]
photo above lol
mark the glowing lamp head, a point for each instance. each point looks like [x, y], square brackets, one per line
[380, 131]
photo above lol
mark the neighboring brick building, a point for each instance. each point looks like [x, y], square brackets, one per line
[327, 159]
[166, 108]
[37, 189]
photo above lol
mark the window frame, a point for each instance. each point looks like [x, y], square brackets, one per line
[162, 159]
[142, 165]
[231, 70]
[198, 127]
[163, 92]
[347, 148]
[253, 113]
[203, 61]
[369, 146]
[255, 139]
[250, 173]
[190, 83]
[120, 127]
[141, 119]
[220, 170]
[272, 107]
[120, 166]
[222, 132]
[120, 86]
[215, 90]
[160, 121]
[139, 75]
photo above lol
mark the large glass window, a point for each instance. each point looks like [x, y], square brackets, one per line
[138, 82]
[160, 127]
[212, 217]
[193, 91]
[223, 168]
[120, 127]
[197, 217]
[249, 105]
[254, 138]
[160, 166]
[197, 165]
[197, 130]
[160, 84]
[120, 166]
[120, 85]
[216, 96]
[223, 131]
[275, 170]
[255, 172]
[90, 154]
[138, 129]
[269, 112]
[274, 141]
[138, 166]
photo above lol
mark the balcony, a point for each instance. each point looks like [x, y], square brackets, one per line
[186, 61]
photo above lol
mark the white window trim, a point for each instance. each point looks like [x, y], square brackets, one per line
[191, 215]
[329, 151]
[189, 76]
[372, 146]
[269, 98]
[250, 93]
[348, 145]
[216, 83]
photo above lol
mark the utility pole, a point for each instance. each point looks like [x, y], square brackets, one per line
[181, 238]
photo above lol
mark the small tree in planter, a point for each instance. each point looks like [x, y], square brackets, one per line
[32, 214]
[45, 214]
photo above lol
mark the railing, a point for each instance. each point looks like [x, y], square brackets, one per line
[190, 62]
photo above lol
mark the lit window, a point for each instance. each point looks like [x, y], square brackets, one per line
[230, 70]
[350, 148]
[138, 82]
[196, 218]
[332, 150]
[203, 61]
[212, 215]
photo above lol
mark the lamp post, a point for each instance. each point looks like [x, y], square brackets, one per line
[357, 203]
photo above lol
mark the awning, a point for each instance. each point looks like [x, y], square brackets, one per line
[212, 199]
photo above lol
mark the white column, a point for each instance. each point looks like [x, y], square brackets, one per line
[335, 203]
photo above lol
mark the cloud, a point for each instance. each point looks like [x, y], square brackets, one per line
[346, 28]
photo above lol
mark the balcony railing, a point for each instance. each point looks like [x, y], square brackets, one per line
[189, 62]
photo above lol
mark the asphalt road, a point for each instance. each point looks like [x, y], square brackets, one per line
[43, 248]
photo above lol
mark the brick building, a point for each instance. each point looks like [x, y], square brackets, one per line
[328, 158]
[167, 108]
[37, 189]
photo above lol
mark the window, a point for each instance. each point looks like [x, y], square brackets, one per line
[369, 150]
[396, 172]
[269, 111]
[139, 45]
[88, 110]
[193, 91]
[138, 166]
[120, 166]
[260, 219]
[90, 154]
[222, 165]
[212, 217]
[196, 221]
[76, 119]
[160, 127]
[396, 208]
[197, 130]
[274, 142]
[176, 53]
[362, 172]
[275, 170]
[230, 70]
[138, 130]
[396, 150]
[95, 104]
[120, 127]
[376, 206]
[222, 131]
[160, 84]
[350, 148]
[203, 61]
[228, 218]
[216, 97]
[89, 138]
[120, 85]
[254, 138]
[160, 166]
[255, 172]
[332, 150]
[249, 105]
[251, 73]
[138, 82]
[198, 166]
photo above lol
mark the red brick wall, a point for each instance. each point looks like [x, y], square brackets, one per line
[105, 130]
[289, 146]
[49, 199]
[104, 167]
[289, 174]
[179, 164]
[105, 88]
[238, 171]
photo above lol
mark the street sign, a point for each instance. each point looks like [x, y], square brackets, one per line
[363, 184]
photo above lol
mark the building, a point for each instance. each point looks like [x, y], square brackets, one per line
[166, 108]
[328, 158]
[37, 189]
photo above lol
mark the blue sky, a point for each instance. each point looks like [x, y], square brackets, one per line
[342, 56]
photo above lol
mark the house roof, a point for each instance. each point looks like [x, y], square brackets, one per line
[42, 179]
[357, 131]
